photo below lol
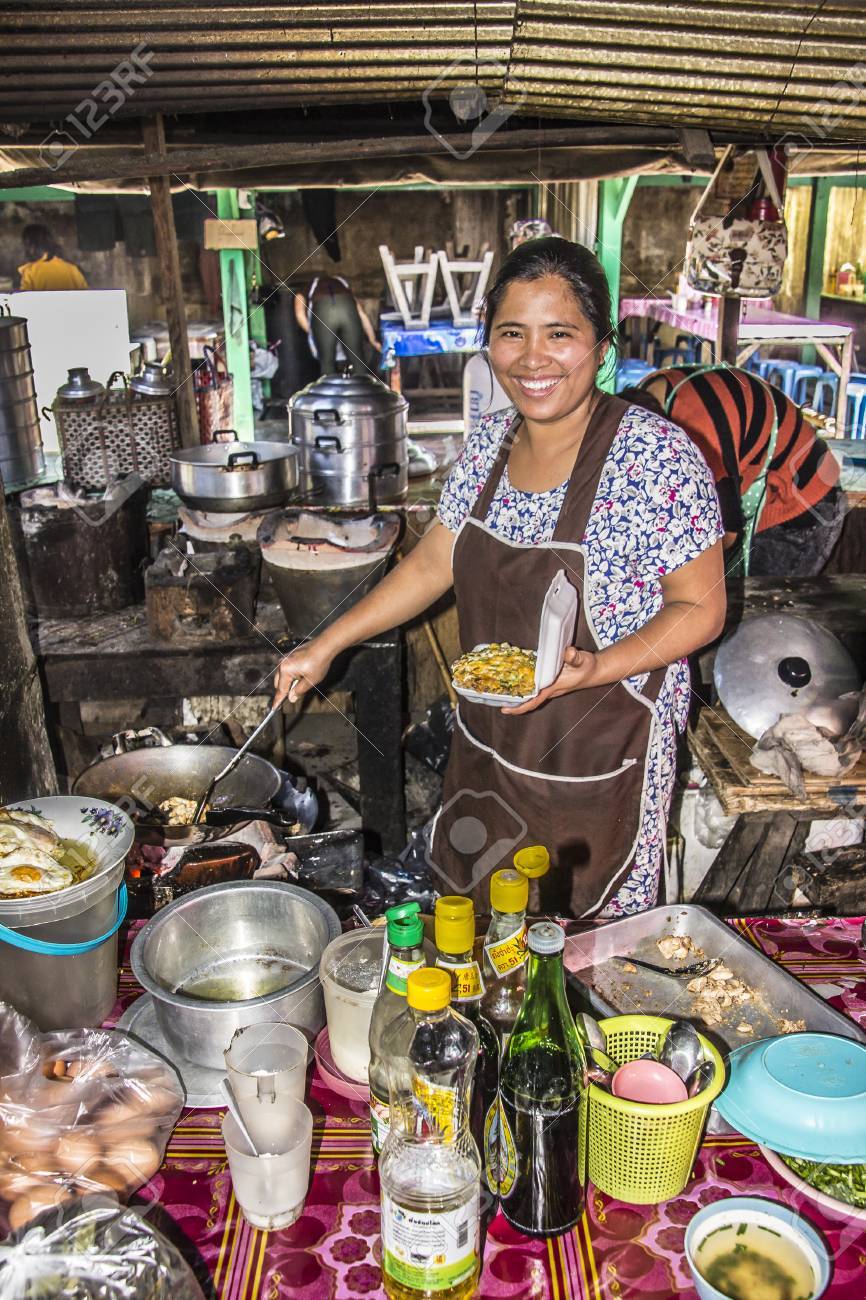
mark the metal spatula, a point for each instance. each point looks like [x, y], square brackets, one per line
[231, 765]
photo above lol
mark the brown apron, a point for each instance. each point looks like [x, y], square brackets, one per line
[572, 774]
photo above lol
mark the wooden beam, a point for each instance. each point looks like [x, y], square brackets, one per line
[697, 148]
[153, 134]
[216, 158]
[26, 765]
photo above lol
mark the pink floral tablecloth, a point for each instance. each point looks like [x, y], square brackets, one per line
[617, 1252]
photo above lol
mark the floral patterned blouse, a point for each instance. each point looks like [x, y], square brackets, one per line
[655, 509]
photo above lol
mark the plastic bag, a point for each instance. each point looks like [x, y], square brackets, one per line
[93, 1249]
[81, 1111]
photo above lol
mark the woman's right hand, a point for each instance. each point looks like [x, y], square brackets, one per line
[301, 670]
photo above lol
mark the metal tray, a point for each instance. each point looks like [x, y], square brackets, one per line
[201, 1084]
[611, 990]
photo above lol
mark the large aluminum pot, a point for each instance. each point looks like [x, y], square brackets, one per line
[235, 477]
[21, 458]
[233, 955]
[351, 432]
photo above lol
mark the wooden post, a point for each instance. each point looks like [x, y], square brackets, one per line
[153, 134]
[728, 329]
[26, 765]
[233, 276]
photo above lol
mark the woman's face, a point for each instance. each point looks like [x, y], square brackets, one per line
[543, 349]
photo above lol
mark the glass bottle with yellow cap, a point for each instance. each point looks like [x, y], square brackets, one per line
[455, 944]
[405, 932]
[505, 946]
[429, 1169]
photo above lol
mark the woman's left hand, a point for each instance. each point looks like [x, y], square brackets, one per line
[579, 669]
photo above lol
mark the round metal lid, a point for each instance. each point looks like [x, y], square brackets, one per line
[354, 394]
[777, 663]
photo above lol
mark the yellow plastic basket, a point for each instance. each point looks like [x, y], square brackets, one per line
[639, 1153]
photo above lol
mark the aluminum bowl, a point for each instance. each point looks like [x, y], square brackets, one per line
[233, 955]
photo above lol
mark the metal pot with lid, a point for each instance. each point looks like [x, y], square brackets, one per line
[79, 386]
[235, 477]
[351, 433]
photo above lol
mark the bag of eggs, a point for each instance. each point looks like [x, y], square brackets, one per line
[94, 1114]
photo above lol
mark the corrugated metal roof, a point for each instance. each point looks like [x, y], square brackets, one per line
[739, 64]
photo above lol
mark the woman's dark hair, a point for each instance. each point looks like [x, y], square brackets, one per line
[40, 239]
[574, 263]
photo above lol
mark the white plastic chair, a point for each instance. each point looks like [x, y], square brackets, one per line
[465, 303]
[405, 281]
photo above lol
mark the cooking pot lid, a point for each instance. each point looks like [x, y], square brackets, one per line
[359, 394]
[777, 663]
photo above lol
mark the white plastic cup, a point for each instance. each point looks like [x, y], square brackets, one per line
[349, 1010]
[271, 1187]
[267, 1067]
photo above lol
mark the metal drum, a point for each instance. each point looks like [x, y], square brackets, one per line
[21, 459]
[351, 433]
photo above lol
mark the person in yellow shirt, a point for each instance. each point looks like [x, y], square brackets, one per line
[45, 268]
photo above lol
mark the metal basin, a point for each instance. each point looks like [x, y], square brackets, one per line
[233, 955]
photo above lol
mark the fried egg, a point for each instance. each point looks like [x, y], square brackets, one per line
[27, 871]
[19, 829]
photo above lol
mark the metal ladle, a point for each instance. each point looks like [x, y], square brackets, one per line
[232, 764]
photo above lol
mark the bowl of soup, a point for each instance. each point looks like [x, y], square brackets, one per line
[749, 1248]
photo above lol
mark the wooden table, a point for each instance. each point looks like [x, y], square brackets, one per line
[760, 324]
[113, 656]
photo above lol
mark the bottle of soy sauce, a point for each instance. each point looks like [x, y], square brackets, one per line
[541, 1091]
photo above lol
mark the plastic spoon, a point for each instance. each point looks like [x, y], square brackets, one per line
[231, 1101]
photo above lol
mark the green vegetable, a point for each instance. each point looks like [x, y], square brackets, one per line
[843, 1182]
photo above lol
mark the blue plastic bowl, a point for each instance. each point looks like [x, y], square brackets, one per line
[802, 1095]
[738, 1208]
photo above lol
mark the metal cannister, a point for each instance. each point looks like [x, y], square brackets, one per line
[79, 387]
[119, 433]
[776, 664]
[351, 433]
[21, 459]
[153, 381]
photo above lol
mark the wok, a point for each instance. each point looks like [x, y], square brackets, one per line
[139, 779]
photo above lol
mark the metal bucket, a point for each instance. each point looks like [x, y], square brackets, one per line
[73, 983]
[21, 459]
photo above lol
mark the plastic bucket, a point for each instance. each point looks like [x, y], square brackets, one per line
[58, 952]
[643, 1154]
[349, 1010]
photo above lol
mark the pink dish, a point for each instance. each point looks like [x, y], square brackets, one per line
[332, 1076]
[648, 1081]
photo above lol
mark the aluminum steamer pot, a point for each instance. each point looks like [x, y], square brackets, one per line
[235, 477]
[259, 941]
[351, 433]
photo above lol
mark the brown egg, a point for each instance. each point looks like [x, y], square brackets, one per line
[26, 1207]
[134, 1159]
[116, 1180]
[78, 1149]
[38, 1162]
[120, 1112]
[27, 1138]
[57, 1092]
[90, 1067]
[15, 1183]
[54, 1069]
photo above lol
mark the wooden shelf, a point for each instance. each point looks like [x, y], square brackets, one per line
[722, 749]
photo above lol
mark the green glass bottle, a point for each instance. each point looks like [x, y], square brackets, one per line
[541, 1090]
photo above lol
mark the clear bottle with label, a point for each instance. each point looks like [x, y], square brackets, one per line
[504, 968]
[455, 947]
[429, 1169]
[405, 931]
[542, 1088]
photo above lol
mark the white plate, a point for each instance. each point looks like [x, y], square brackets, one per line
[555, 634]
[829, 1203]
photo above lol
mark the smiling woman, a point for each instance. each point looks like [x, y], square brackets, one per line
[622, 500]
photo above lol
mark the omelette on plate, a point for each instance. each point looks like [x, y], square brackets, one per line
[497, 669]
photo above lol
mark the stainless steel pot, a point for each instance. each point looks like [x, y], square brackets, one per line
[351, 432]
[21, 458]
[233, 955]
[236, 477]
[153, 381]
[79, 387]
[136, 778]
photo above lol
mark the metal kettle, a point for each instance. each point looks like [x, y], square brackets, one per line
[153, 381]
